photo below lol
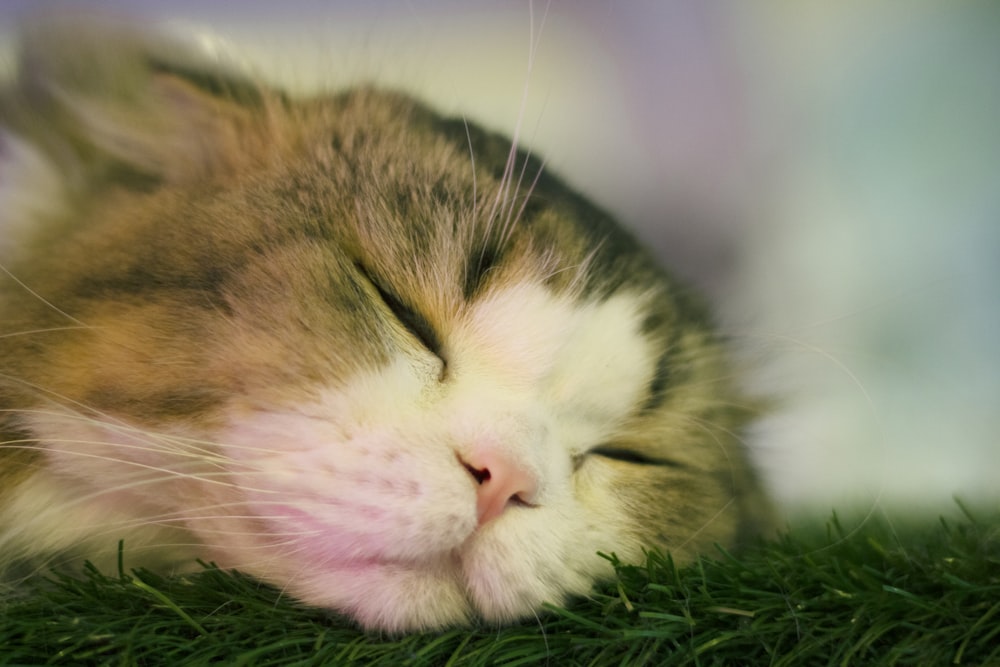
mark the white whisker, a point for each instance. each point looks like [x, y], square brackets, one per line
[38, 296]
[33, 332]
[514, 218]
[168, 473]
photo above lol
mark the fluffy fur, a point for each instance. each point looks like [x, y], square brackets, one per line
[374, 356]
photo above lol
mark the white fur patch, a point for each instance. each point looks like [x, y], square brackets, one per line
[31, 189]
[51, 514]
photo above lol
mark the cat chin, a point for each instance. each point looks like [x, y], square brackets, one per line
[481, 583]
[392, 597]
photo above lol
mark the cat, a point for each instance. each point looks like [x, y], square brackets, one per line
[377, 357]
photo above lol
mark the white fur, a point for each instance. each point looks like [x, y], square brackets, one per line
[102, 486]
[31, 189]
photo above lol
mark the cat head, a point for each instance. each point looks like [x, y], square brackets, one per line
[377, 357]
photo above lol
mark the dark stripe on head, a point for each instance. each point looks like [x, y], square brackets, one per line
[662, 376]
[477, 267]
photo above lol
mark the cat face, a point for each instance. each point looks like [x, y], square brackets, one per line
[373, 356]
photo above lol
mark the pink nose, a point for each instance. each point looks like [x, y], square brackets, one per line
[501, 484]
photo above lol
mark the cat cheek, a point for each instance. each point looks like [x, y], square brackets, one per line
[363, 494]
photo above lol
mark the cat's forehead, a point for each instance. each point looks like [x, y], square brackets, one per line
[430, 213]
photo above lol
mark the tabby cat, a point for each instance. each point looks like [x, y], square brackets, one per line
[374, 356]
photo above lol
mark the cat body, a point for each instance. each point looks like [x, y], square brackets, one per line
[371, 355]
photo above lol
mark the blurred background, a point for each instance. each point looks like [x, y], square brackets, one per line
[828, 173]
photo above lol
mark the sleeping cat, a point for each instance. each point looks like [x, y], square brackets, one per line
[379, 358]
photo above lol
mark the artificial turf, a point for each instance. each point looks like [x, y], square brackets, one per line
[879, 594]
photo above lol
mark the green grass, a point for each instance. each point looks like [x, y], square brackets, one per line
[879, 594]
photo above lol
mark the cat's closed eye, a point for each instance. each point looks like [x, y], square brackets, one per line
[414, 323]
[629, 456]
[624, 455]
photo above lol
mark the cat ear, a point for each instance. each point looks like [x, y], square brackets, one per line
[97, 96]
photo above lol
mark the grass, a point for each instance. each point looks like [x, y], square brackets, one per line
[880, 595]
